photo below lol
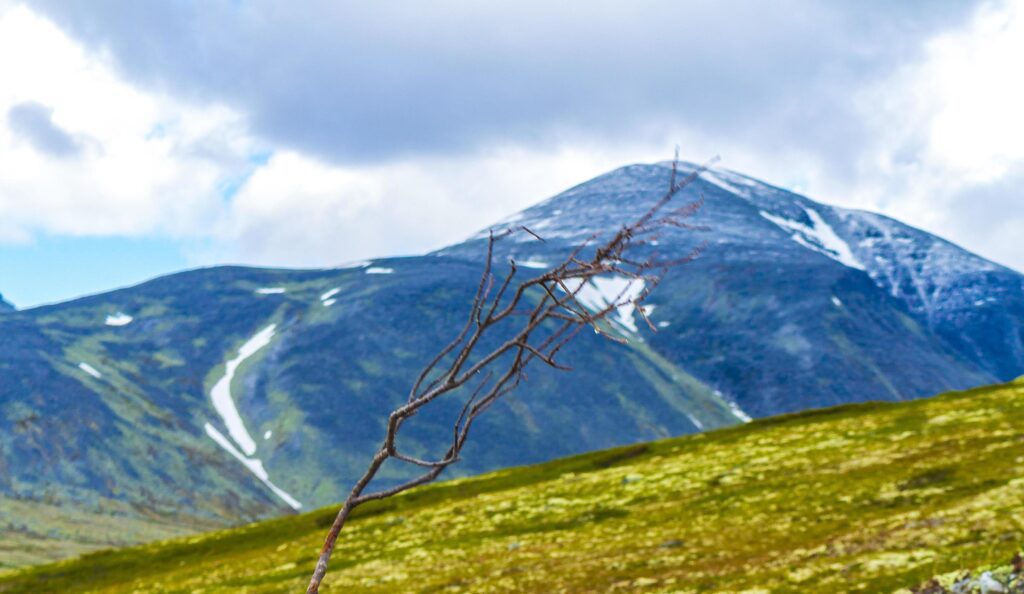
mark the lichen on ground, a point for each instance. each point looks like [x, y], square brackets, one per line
[861, 498]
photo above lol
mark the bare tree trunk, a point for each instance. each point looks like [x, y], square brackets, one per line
[339, 521]
[328, 548]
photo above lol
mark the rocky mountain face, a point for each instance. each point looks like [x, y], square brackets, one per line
[229, 393]
[795, 304]
[4, 305]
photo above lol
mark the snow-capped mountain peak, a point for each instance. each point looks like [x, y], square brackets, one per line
[952, 290]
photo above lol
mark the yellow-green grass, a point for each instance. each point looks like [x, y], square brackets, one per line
[861, 498]
[33, 532]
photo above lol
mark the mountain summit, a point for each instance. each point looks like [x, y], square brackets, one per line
[796, 304]
[225, 394]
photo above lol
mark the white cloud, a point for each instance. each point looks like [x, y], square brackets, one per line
[956, 111]
[147, 163]
[934, 143]
[943, 140]
[296, 211]
[153, 164]
[950, 136]
[972, 86]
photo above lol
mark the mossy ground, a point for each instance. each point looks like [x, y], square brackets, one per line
[33, 532]
[862, 498]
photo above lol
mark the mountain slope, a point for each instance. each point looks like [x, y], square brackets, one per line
[137, 384]
[4, 305]
[794, 303]
[780, 505]
[223, 395]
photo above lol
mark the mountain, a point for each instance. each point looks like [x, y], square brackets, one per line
[222, 395]
[796, 304]
[227, 394]
[779, 505]
[4, 305]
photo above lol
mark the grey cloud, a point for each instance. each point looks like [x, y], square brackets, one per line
[34, 122]
[990, 219]
[359, 82]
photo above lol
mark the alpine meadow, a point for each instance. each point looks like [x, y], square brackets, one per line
[335, 297]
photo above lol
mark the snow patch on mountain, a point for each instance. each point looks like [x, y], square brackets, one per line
[717, 179]
[925, 271]
[738, 412]
[602, 292]
[270, 291]
[221, 392]
[254, 465]
[328, 298]
[931, 276]
[739, 180]
[819, 236]
[119, 319]
[379, 270]
[90, 370]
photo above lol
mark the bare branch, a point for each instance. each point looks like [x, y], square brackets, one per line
[532, 322]
[538, 237]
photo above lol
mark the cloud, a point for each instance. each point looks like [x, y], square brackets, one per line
[320, 132]
[352, 82]
[34, 122]
[160, 165]
[300, 211]
[947, 137]
[143, 162]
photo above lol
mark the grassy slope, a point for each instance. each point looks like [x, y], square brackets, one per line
[137, 435]
[33, 532]
[862, 498]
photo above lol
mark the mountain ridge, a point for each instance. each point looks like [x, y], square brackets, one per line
[749, 217]
[148, 384]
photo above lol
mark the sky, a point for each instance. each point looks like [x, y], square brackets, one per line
[142, 138]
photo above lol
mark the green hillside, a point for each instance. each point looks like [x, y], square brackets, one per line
[127, 379]
[34, 532]
[860, 498]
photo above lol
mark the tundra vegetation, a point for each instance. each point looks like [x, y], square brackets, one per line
[859, 498]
